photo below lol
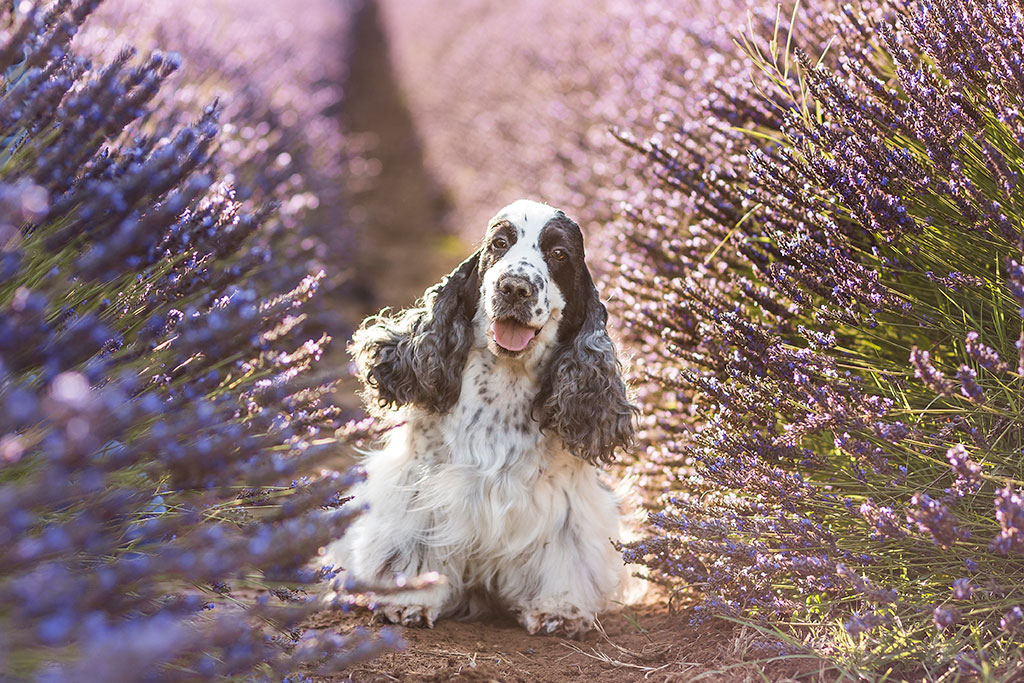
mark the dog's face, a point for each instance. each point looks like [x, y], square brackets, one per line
[530, 259]
[526, 294]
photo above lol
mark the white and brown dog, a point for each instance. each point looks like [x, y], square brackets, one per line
[507, 393]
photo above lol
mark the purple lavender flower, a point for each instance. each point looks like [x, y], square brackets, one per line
[968, 472]
[986, 356]
[1013, 621]
[944, 618]
[962, 589]
[934, 518]
[865, 587]
[928, 373]
[884, 521]
[1009, 506]
[1015, 273]
[865, 622]
[969, 384]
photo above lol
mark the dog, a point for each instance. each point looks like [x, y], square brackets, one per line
[506, 395]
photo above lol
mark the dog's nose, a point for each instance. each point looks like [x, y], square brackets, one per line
[513, 287]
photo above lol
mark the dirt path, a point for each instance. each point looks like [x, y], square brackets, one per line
[404, 249]
[403, 253]
[644, 643]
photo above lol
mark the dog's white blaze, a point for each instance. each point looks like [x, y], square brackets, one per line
[526, 212]
[526, 259]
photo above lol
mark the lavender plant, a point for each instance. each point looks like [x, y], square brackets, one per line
[279, 77]
[158, 433]
[826, 288]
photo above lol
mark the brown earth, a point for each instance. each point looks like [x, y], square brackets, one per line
[643, 643]
[404, 251]
[402, 207]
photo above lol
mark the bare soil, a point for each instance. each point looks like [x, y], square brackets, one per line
[642, 643]
[402, 207]
[404, 252]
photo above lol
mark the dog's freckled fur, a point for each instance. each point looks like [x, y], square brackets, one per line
[489, 478]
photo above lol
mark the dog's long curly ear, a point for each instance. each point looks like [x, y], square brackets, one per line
[417, 356]
[584, 398]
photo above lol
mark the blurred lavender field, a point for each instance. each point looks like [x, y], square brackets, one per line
[279, 76]
[807, 219]
[164, 230]
[519, 99]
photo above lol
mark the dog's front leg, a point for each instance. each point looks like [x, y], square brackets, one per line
[571, 573]
[397, 536]
[420, 607]
[388, 546]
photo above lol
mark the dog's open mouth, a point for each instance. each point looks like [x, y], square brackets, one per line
[512, 335]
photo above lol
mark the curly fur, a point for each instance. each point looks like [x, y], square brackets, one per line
[583, 396]
[416, 357]
[489, 479]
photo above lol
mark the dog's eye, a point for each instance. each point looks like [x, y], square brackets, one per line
[559, 254]
[500, 243]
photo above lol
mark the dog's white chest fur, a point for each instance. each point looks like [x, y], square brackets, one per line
[493, 504]
[491, 428]
[504, 481]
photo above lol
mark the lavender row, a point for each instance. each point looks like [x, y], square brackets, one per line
[158, 420]
[827, 293]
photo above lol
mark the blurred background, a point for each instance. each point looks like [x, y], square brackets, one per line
[417, 120]
[805, 217]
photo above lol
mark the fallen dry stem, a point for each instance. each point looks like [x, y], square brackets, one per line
[602, 657]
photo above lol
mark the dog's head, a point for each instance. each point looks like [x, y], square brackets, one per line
[535, 286]
[528, 296]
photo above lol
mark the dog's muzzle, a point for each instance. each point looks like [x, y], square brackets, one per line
[514, 299]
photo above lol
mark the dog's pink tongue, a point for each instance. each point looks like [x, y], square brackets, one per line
[511, 335]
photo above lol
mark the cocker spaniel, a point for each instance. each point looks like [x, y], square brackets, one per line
[507, 394]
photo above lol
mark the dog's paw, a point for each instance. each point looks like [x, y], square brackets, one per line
[571, 626]
[406, 615]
